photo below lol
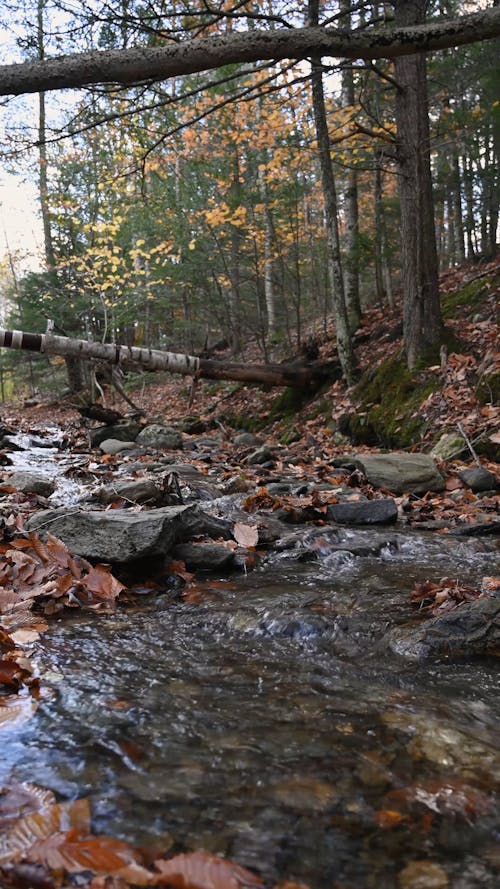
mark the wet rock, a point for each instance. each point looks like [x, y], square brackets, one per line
[399, 473]
[116, 446]
[158, 435]
[303, 793]
[125, 431]
[260, 456]
[32, 483]
[481, 529]
[205, 556]
[471, 629]
[120, 535]
[236, 485]
[364, 512]
[135, 491]
[193, 425]
[478, 479]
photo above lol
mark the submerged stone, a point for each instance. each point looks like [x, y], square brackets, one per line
[471, 629]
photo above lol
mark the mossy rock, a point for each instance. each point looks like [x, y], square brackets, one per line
[389, 399]
[472, 296]
[286, 405]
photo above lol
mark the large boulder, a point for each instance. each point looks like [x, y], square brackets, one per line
[120, 535]
[471, 629]
[401, 473]
[158, 435]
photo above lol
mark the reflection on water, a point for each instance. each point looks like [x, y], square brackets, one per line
[267, 724]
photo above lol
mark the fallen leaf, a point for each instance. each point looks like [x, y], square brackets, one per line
[246, 535]
[201, 870]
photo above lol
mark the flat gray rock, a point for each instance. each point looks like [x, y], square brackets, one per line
[207, 556]
[32, 483]
[364, 512]
[116, 446]
[401, 473]
[121, 535]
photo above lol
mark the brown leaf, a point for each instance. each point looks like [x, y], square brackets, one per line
[201, 870]
[101, 582]
[246, 535]
[40, 825]
[69, 851]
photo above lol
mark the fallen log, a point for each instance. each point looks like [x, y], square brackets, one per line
[299, 375]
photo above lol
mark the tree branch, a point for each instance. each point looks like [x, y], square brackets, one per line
[144, 63]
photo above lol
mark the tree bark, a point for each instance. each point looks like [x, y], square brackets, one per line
[350, 201]
[301, 376]
[422, 324]
[142, 63]
[343, 333]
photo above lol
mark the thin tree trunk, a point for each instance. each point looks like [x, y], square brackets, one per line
[344, 341]
[350, 200]
[457, 208]
[422, 323]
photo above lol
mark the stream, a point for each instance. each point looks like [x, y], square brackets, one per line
[265, 721]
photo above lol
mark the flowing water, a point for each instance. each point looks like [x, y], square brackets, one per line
[265, 721]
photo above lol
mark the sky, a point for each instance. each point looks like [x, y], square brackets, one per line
[20, 224]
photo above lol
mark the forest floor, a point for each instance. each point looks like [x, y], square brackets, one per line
[455, 397]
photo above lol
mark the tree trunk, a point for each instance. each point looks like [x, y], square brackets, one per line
[344, 342]
[301, 376]
[422, 324]
[351, 201]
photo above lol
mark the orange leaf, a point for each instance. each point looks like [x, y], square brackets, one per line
[200, 870]
[101, 582]
[389, 818]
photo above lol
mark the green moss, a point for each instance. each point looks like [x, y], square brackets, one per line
[472, 295]
[389, 399]
[286, 405]
[246, 422]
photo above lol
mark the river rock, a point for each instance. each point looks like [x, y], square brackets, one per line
[471, 629]
[363, 512]
[135, 490]
[32, 483]
[260, 456]
[207, 556]
[247, 440]
[401, 473]
[116, 446]
[478, 479]
[158, 435]
[121, 535]
[124, 431]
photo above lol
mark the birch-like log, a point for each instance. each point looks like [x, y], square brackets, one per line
[296, 375]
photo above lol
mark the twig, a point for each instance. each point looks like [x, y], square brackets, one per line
[468, 443]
